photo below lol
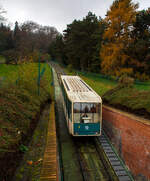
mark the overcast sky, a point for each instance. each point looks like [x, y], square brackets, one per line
[57, 13]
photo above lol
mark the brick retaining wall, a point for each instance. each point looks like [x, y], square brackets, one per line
[131, 137]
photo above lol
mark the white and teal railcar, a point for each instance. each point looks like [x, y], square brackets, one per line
[82, 107]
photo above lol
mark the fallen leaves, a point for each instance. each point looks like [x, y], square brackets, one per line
[30, 162]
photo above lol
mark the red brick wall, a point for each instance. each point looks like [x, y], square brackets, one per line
[131, 137]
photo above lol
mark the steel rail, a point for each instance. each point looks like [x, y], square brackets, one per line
[113, 158]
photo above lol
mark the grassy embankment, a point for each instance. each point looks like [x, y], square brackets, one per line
[134, 99]
[20, 106]
[8, 70]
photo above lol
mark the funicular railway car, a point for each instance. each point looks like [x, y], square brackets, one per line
[82, 107]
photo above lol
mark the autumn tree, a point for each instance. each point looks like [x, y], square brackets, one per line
[117, 37]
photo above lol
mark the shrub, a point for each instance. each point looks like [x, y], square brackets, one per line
[70, 68]
[126, 81]
[142, 77]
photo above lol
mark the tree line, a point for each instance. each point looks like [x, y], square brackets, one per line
[80, 44]
[28, 41]
[116, 45]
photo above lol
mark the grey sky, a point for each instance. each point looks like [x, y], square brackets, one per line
[57, 13]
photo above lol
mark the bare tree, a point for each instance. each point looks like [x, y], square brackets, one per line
[2, 11]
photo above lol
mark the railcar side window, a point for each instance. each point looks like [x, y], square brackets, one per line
[76, 110]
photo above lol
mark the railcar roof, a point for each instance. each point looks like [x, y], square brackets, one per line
[78, 90]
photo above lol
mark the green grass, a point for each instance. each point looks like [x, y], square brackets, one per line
[8, 70]
[19, 105]
[11, 73]
[99, 84]
[98, 81]
[144, 87]
[131, 98]
[135, 99]
[20, 102]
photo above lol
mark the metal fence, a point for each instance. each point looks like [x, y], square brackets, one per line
[41, 71]
[114, 79]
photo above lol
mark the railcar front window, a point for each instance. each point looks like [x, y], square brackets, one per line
[85, 108]
[86, 112]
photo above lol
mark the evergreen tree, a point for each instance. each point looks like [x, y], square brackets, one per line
[82, 43]
[57, 50]
[16, 36]
[5, 38]
[139, 49]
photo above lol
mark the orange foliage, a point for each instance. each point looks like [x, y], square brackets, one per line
[120, 19]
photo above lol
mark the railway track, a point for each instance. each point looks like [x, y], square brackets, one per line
[96, 157]
[91, 162]
[111, 156]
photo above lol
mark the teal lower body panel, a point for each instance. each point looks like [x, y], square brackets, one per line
[87, 129]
